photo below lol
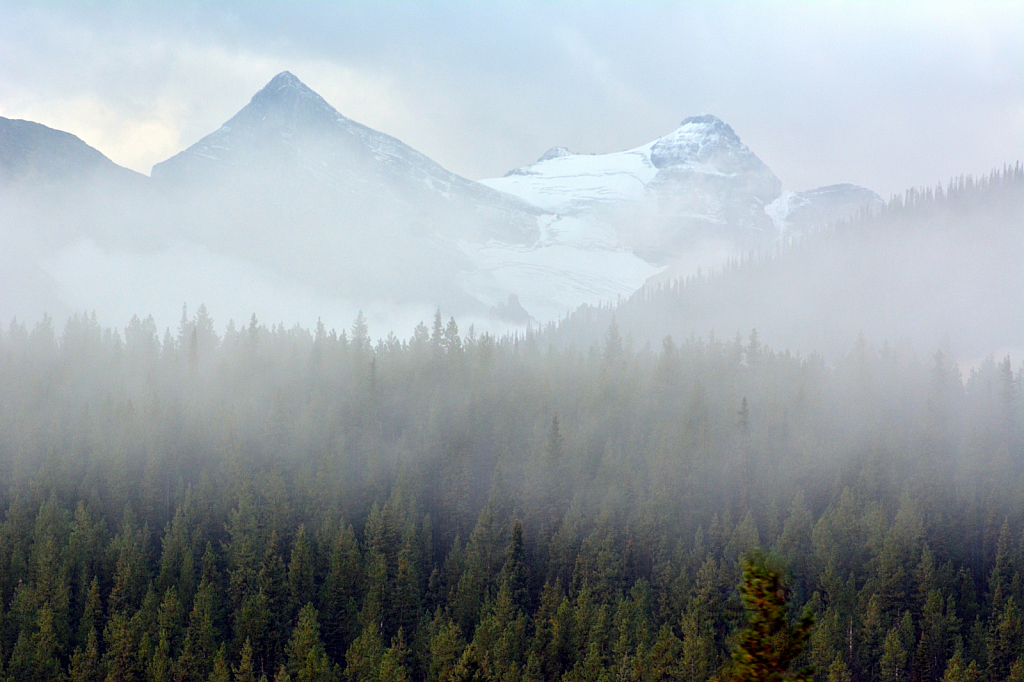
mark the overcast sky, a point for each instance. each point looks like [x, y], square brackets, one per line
[882, 96]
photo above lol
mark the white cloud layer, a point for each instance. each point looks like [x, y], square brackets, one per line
[879, 95]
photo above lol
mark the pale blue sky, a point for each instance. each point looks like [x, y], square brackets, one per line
[879, 95]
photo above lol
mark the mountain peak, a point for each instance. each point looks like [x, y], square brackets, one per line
[284, 78]
[283, 107]
[709, 122]
[555, 153]
[286, 91]
[284, 82]
[698, 139]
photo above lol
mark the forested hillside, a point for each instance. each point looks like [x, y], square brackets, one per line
[936, 267]
[308, 505]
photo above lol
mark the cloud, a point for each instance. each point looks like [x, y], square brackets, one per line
[881, 95]
[169, 93]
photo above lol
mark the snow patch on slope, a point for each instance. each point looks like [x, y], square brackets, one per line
[779, 209]
[567, 183]
[552, 279]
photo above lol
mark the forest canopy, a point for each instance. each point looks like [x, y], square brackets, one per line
[567, 504]
[303, 503]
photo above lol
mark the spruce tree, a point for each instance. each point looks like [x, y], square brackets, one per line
[307, 660]
[769, 644]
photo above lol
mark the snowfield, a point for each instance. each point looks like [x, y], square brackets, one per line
[577, 182]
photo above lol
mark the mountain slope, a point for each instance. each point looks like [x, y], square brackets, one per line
[803, 212]
[295, 186]
[294, 209]
[292, 185]
[34, 154]
[55, 190]
[935, 270]
[695, 189]
[290, 143]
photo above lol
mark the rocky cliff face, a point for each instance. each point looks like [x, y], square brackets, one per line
[802, 212]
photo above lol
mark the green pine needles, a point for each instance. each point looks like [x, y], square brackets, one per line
[769, 644]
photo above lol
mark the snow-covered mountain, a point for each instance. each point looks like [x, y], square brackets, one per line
[288, 144]
[799, 212]
[697, 185]
[294, 211]
[295, 186]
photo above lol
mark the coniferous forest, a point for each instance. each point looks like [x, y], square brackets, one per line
[310, 505]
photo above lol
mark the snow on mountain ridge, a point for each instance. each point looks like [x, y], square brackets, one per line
[384, 216]
[554, 153]
[667, 199]
[568, 183]
[698, 141]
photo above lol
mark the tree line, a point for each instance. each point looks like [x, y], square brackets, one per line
[939, 267]
[313, 505]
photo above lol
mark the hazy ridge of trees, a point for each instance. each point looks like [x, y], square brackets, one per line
[939, 267]
[309, 505]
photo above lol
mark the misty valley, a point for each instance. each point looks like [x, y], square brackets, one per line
[554, 426]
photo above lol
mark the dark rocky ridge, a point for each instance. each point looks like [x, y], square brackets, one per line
[33, 154]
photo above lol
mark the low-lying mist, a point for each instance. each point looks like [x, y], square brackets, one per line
[409, 499]
[933, 269]
[309, 492]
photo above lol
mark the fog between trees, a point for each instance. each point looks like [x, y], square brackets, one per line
[457, 507]
[935, 268]
[566, 504]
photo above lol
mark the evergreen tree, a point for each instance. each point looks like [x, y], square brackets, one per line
[363, 659]
[446, 647]
[85, 662]
[665, 658]
[893, 663]
[301, 580]
[341, 593]
[515, 573]
[1006, 641]
[246, 670]
[768, 645]
[956, 671]
[199, 646]
[307, 659]
[220, 671]
[393, 664]
[119, 659]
